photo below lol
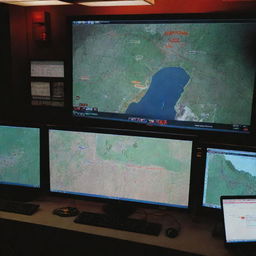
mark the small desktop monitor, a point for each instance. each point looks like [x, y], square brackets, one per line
[239, 220]
[228, 171]
[124, 168]
[19, 156]
[186, 73]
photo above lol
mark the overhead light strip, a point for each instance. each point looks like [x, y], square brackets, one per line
[92, 3]
[34, 3]
[116, 3]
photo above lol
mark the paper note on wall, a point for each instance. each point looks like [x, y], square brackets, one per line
[47, 69]
[41, 89]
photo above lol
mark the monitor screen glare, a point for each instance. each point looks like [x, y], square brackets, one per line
[228, 172]
[166, 73]
[130, 168]
[20, 156]
[240, 220]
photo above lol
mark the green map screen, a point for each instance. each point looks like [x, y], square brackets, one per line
[197, 75]
[130, 168]
[20, 156]
[228, 172]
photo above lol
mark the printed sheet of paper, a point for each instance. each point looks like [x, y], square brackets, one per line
[58, 90]
[41, 89]
[47, 69]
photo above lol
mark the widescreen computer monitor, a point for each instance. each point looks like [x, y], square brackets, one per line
[138, 169]
[20, 156]
[180, 73]
[228, 172]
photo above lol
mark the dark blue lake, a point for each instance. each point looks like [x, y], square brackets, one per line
[163, 93]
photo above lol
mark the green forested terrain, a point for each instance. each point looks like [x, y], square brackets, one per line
[225, 179]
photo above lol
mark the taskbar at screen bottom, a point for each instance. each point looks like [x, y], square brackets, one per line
[233, 128]
[19, 184]
[119, 199]
[241, 241]
[213, 206]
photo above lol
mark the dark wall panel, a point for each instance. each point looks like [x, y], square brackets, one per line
[5, 60]
[19, 56]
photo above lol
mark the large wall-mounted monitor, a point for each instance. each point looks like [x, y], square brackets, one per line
[189, 73]
[228, 170]
[149, 170]
[20, 156]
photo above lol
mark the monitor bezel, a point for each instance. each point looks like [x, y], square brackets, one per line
[201, 162]
[175, 18]
[126, 132]
[23, 192]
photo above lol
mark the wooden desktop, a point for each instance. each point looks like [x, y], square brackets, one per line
[194, 237]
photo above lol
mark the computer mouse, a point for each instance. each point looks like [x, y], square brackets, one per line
[172, 232]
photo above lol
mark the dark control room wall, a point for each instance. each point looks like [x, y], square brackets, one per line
[13, 56]
[5, 58]
[19, 53]
[59, 15]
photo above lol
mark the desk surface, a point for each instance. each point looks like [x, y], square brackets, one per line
[194, 237]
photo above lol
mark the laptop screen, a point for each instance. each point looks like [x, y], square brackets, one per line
[239, 219]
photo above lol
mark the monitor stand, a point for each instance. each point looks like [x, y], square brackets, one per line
[119, 210]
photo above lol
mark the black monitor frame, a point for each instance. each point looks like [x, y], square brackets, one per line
[22, 192]
[145, 125]
[201, 163]
[126, 132]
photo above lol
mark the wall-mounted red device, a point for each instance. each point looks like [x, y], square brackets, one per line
[41, 26]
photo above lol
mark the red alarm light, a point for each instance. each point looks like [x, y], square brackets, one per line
[41, 26]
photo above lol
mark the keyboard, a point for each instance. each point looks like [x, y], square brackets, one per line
[18, 207]
[126, 224]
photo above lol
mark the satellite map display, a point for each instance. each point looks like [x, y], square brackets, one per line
[185, 72]
[19, 156]
[125, 167]
[228, 172]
